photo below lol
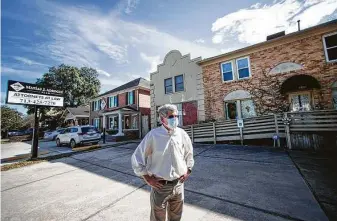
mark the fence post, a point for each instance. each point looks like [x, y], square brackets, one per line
[241, 135]
[192, 134]
[277, 131]
[286, 121]
[214, 133]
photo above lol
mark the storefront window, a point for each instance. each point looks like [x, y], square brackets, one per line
[239, 109]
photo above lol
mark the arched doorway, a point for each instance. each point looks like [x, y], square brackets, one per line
[299, 89]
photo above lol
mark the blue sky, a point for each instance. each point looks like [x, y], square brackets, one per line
[126, 39]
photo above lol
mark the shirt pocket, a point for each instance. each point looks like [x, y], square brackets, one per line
[179, 148]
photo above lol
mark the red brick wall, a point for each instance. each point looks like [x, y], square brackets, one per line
[145, 111]
[144, 98]
[122, 100]
[191, 113]
[308, 52]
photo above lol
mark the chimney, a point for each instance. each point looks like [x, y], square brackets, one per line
[276, 35]
[298, 25]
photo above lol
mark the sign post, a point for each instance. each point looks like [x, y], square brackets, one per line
[21, 93]
[35, 138]
[240, 126]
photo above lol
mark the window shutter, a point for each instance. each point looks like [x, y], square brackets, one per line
[99, 104]
[117, 101]
[133, 97]
[93, 105]
[127, 98]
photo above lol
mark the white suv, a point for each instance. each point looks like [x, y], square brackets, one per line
[74, 136]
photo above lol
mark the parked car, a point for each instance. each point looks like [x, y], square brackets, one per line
[51, 135]
[74, 136]
[12, 133]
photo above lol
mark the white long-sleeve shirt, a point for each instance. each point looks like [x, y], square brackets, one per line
[167, 156]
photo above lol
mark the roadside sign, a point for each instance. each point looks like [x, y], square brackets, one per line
[240, 123]
[32, 94]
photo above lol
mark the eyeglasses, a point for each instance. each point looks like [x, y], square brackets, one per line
[172, 116]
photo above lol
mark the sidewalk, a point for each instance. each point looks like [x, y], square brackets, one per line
[18, 151]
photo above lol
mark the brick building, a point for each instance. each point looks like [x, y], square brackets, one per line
[178, 80]
[293, 72]
[124, 110]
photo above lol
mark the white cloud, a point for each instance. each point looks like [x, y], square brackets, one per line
[87, 36]
[102, 72]
[152, 60]
[27, 61]
[7, 71]
[200, 40]
[254, 24]
[130, 6]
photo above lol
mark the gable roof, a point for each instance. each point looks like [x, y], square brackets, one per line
[141, 82]
[81, 110]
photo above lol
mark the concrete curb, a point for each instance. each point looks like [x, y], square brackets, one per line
[21, 156]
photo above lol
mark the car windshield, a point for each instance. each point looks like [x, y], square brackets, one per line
[88, 129]
[60, 130]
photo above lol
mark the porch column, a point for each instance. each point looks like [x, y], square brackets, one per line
[120, 124]
[104, 121]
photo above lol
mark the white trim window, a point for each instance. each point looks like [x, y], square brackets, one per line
[113, 122]
[113, 102]
[330, 47]
[96, 122]
[243, 67]
[131, 97]
[179, 83]
[168, 85]
[97, 105]
[227, 71]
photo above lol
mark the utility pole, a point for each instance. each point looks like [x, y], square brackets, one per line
[35, 143]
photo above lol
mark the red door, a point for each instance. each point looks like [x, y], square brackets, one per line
[190, 111]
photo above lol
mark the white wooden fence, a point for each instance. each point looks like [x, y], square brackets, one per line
[283, 126]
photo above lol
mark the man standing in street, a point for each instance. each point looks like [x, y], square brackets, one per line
[164, 159]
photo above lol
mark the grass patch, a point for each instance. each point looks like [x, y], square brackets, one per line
[4, 141]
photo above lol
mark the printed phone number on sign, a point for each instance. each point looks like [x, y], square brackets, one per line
[29, 101]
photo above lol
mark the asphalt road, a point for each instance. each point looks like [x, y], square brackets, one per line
[227, 183]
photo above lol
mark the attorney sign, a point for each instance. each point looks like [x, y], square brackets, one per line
[32, 94]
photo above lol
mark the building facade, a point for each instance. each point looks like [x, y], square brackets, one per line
[123, 111]
[294, 72]
[77, 116]
[178, 80]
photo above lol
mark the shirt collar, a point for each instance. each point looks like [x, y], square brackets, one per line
[166, 130]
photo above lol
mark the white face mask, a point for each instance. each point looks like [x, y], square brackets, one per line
[172, 123]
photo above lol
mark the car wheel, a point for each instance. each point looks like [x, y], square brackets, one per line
[72, 144]
[58, 142]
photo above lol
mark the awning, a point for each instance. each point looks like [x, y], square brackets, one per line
[299, 83]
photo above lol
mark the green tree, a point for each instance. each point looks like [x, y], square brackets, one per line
[10, 118]
[79, 86]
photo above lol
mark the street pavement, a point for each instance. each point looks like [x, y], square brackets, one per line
[21, 150]
[227, 183]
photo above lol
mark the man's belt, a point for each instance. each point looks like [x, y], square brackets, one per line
[169, 181]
